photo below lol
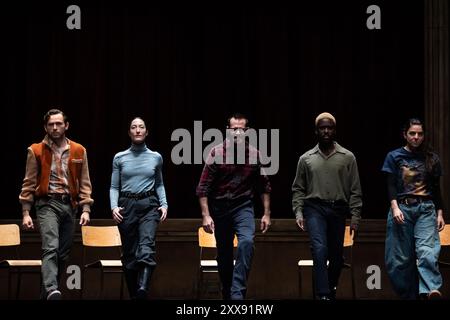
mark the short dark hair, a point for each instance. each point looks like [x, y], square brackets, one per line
[52, 112]
[237, 116]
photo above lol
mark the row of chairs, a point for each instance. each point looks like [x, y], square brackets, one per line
[92, 237]
[108, 236]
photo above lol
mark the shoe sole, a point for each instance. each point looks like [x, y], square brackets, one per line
[55, 295]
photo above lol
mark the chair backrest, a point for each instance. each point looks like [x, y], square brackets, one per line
[101, 236]
[208, 240]
[444, 236]
[9, 235]
[348, 239]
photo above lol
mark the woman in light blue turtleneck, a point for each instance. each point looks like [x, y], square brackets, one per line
[138, 204]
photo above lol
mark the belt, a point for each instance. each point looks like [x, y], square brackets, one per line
[331, 203]
[63, 197]
[137, 196]
[413, 200]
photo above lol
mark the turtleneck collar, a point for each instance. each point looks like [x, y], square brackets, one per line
[138, 147]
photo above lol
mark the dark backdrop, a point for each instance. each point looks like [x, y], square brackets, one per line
[173, 64]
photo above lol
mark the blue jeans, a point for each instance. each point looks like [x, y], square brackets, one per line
[326, 228]
[412, 251]
[233, 218]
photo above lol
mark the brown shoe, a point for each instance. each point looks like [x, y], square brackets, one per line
[434, 295]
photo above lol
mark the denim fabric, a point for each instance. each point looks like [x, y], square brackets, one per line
[230, 218]
[326, 228]
[412, 251]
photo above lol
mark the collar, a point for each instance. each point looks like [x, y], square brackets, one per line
[138, 147]
[49, 142]
[337, 148]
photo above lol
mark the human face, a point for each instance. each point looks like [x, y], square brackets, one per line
[138, 131]
[326, 130]
[56, 128]
[237, 129]
[414, 136]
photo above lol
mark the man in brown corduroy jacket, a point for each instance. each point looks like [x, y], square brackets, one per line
[57, 183]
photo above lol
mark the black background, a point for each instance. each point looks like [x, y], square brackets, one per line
[175, 63]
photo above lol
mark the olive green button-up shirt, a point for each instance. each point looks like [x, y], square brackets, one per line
[332, 177]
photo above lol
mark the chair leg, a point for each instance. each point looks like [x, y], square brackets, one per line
[102, 284]
[199, 283]
[19, 280]
[313, 281]
[300, 293]
[353, 282]
[121, 286]
[83, 283]
[9, 284]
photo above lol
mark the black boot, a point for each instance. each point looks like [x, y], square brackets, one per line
[143, 282]
[131, 280]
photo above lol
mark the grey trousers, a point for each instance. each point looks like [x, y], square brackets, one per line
[57, 224]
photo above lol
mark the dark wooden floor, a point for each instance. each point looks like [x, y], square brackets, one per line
[274, 273]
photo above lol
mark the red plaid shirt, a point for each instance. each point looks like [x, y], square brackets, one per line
[232, 181]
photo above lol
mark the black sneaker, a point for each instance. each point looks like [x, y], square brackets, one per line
[54, 295]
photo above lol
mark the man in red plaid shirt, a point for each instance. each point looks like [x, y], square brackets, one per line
[225, 192]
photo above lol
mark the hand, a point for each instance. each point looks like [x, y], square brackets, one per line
[163, 213]
[208, 224]
[265, 223]
[117, 214]
[398, 216]
[440, 221]
[353, 230]
[27, 222]
[84, 219]
[301, 223]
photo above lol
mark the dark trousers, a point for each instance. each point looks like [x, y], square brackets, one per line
[233, 218]
[325, 224]
[56, 225]
[138, 231]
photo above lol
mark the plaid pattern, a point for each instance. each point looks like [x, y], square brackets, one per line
[229, 180]
[59, 173]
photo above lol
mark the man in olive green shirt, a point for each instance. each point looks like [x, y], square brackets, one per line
[325, 190]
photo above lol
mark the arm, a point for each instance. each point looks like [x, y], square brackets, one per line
[298, 193]
[397, 214]
[355, 201]
[208, 223]
[161, 191]
[29, 186]
[85, 192]
[203, 189]
[437, 200]
[265, 220]
[114, 191]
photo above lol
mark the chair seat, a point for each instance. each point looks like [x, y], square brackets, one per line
[307, 263]
[210, 263]
[21, 263]
[105, 263]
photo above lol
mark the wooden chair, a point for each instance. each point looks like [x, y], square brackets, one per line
[444, 236]
[207, 242]
[348, 243]
[10, 237]
[102, 237]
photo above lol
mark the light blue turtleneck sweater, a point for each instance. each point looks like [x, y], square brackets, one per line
[136, 170]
